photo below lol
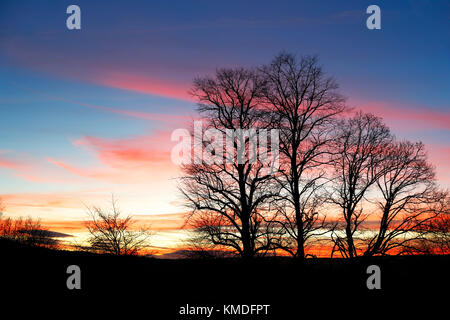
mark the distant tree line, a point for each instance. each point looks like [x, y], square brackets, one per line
[342, 176]
[109, 232]
[27, 231]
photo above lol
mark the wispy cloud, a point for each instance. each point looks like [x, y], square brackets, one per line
[153, 86]
[132, 160]
[167, 118]
[21, 168]
[408, 117]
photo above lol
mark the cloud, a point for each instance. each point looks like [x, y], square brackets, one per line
[9, 164]
[160, 117]
[153, 86]
[439, 156]
[145, 149]
[21, 168]
[134, 160]
[408, 117]
[162, 222]
[60, 200]
[93, 68]
[66, 226]
[156, 222]
[167, 118]
[54, 234]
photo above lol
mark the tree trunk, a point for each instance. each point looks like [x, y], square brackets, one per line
[247, 248]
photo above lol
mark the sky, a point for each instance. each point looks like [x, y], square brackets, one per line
[88, 113]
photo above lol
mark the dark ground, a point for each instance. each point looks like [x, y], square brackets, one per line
[160, 287]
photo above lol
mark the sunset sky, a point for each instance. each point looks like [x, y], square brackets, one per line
[87, 113]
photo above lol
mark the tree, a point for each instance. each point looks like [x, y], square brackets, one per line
[111, 234]
[228, 199]
[304, 103]
[27, 231]
[385, 189]
[410, 200]
[359, 154]
[439, 240]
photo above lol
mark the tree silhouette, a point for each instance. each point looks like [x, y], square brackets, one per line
[304, 103]
[386, 184]
[228, 200]
[384, 190]
[410, 200]
[358, 155]
[439, 240]
[111, 234]
[27, 231]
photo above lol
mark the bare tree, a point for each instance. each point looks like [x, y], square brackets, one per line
[359, 153]
[304, 102]
[27, 231]
[354, 164]
[387, 182]
[229, 200]
[199, 246]
[410, 200]
[111, 234]
[439, 240]
[312, 228]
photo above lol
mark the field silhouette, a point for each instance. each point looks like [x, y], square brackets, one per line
[162, 286]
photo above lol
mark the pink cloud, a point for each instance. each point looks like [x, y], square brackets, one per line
[45, 200]
[98, 71]
[157, 222]
[154, 86]
[439, 155]
[21, 168]
[152, 116]
[152, 148]
[409, 118]
[9, 164]
[134, 160]
[160, 117]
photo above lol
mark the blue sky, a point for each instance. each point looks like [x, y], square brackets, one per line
[64, 95]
